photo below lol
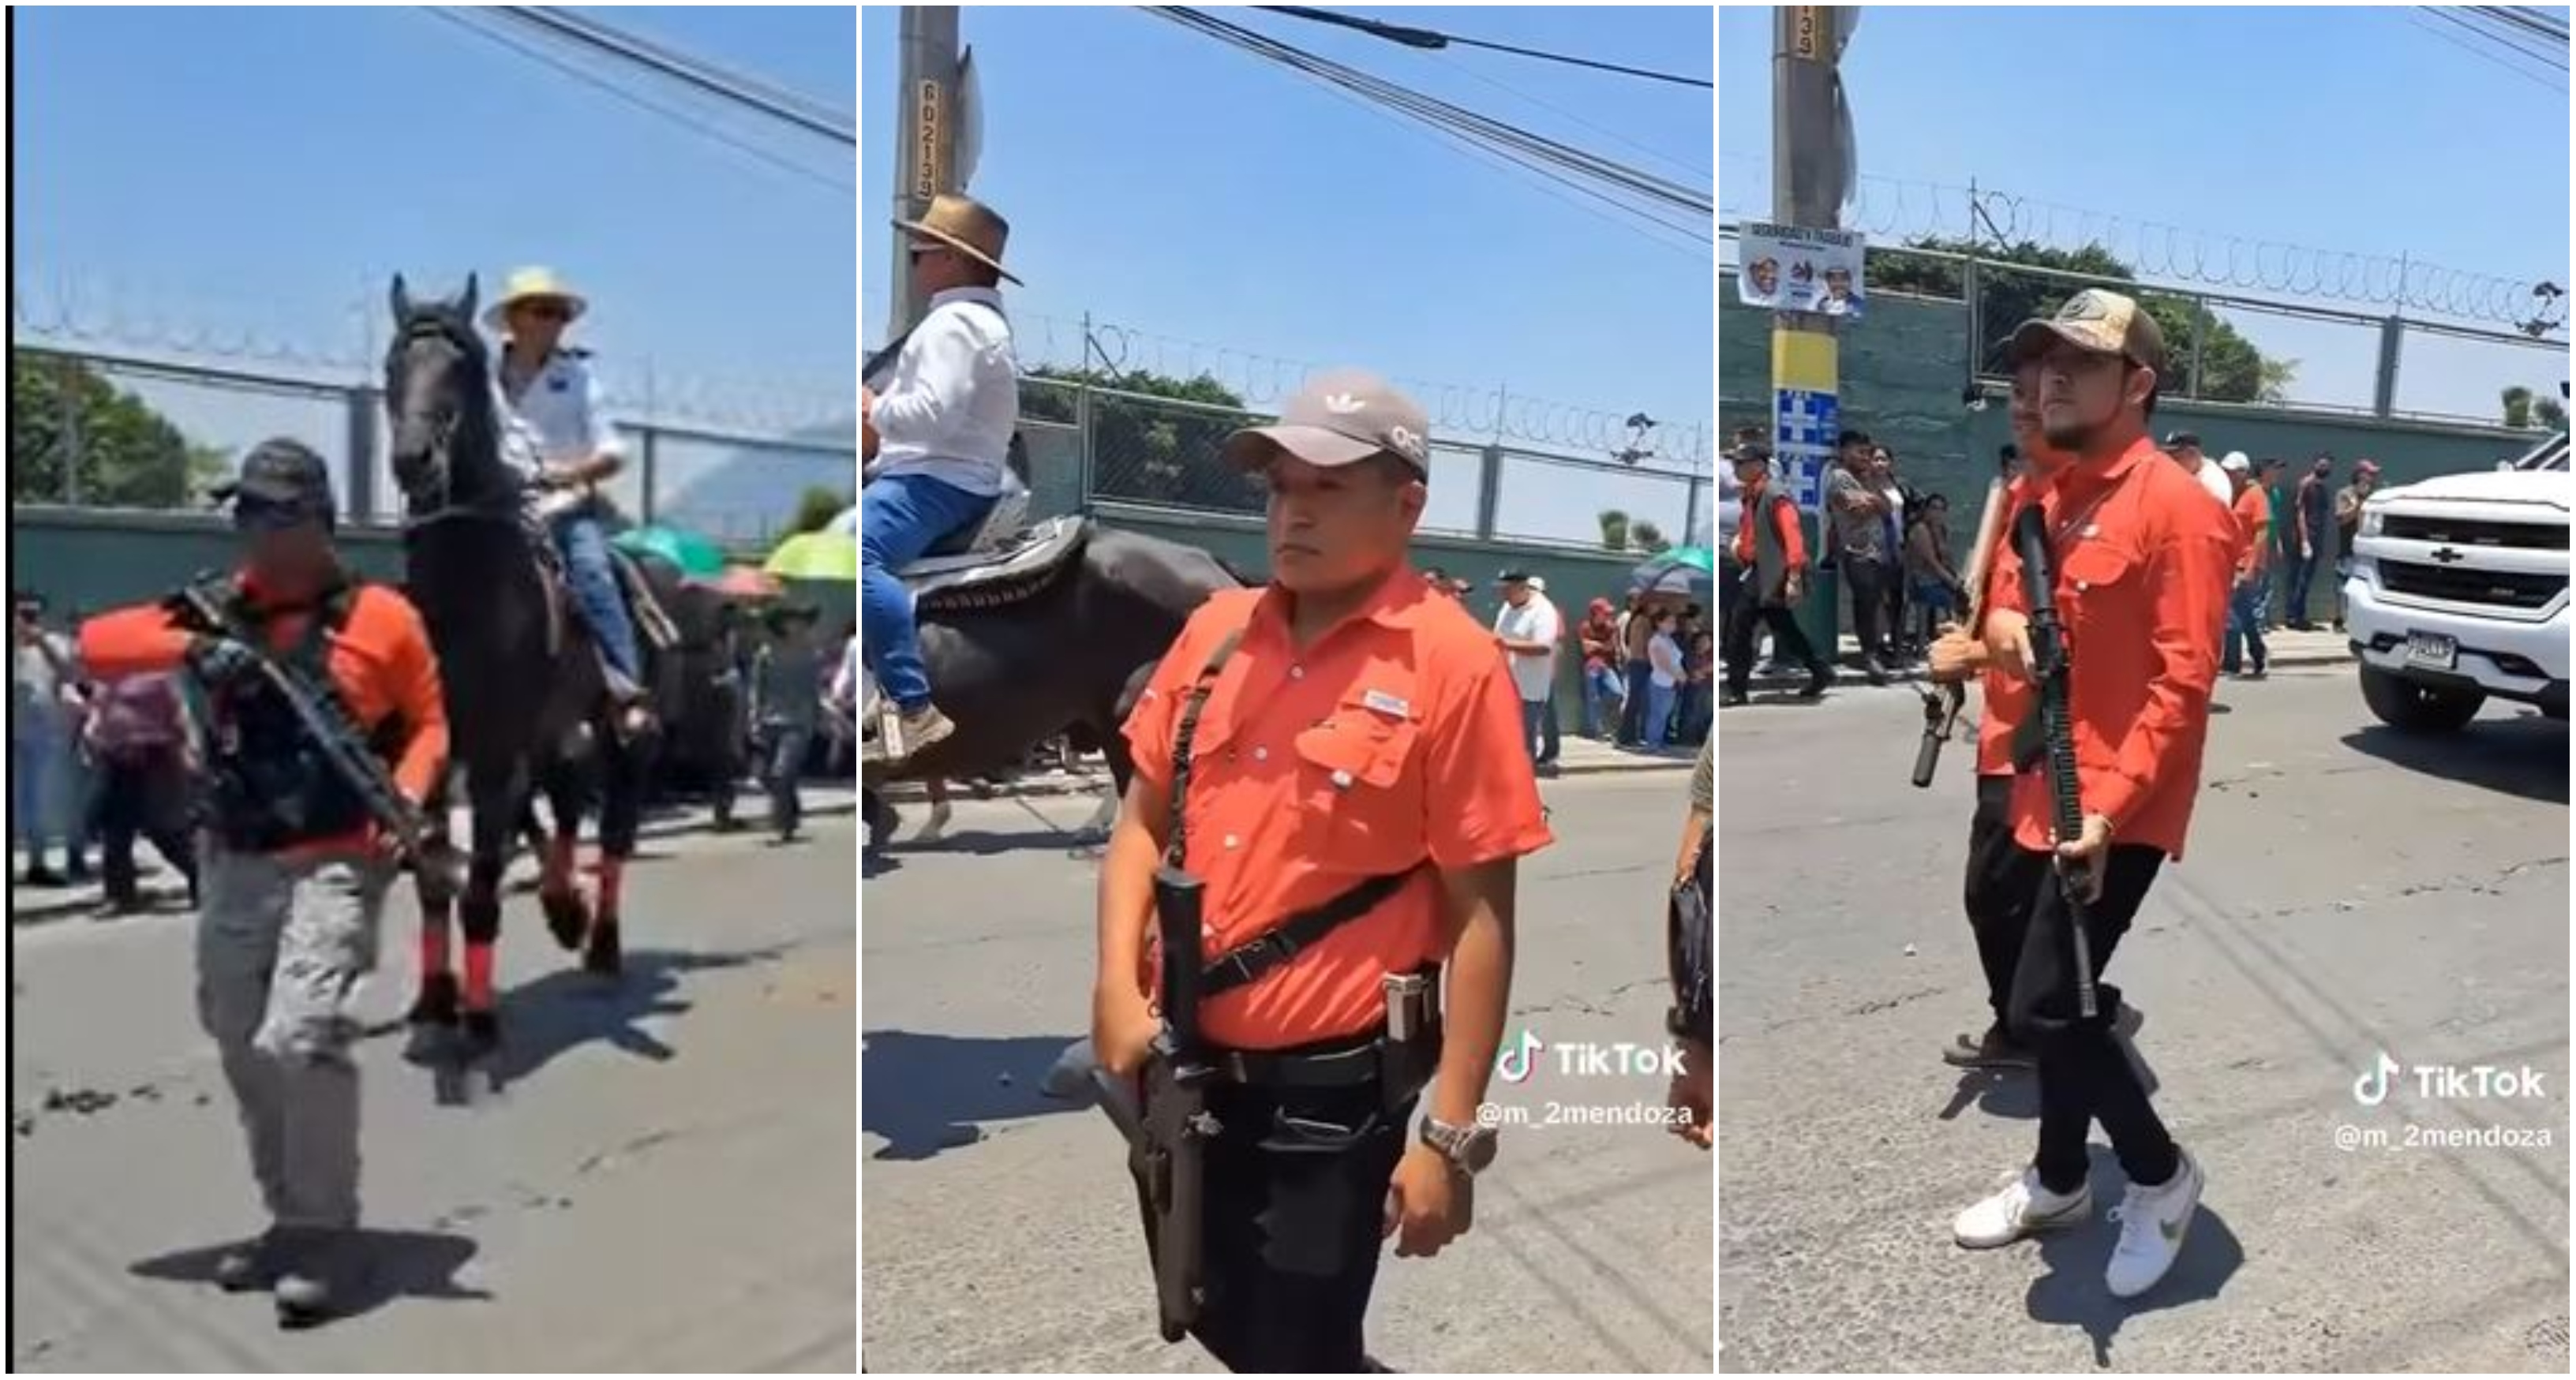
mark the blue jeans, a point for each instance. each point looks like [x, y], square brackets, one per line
[1659, 713]
[2248, 606]
[1602, 688]
[900, 517]
[584, 546]
[2303, 572]
[1641, 676]
[1550, 739]
[1532, 711]
[788, 745]
[35, 750]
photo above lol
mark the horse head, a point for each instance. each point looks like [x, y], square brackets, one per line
[438, 403]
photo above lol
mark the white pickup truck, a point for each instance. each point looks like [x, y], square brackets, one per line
[2458, 593]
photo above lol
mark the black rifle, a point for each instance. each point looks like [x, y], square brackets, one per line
[1941, 706]
[201, 608]
[2049, 672]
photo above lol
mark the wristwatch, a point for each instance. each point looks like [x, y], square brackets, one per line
[1469, 1148]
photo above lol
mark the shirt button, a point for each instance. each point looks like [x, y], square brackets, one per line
[1261, 754]
[2080, 586]
[1296, 673]
[1232, 842]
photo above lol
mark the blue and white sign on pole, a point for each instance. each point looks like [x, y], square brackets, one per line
[1804, 423]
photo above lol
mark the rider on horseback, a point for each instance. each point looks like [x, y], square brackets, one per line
[558, 434]
[943, 431]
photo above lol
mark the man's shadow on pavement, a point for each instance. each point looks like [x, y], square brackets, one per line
[924, 1093]
[399, 1265]
[2013, 1094]
[569, 1007]
[2072, 1293]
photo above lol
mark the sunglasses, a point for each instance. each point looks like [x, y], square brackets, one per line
[924, 251]
[543, 311]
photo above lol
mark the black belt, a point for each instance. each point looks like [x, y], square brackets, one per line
[1347, 1066]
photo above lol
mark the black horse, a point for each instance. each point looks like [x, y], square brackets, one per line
[528, 704]
[1067, 658]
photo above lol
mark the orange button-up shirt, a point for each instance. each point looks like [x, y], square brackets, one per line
[1392, 739]
[2007, 698]
[2254, 526]
[380, 663]
[2143, 567]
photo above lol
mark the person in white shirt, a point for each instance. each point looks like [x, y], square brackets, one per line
[1528, 629]
[556, 430]
[2184, 447]
[938, 440]
[1664, 653]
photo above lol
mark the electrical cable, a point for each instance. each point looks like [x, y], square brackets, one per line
[690, 73]
[1412, 37]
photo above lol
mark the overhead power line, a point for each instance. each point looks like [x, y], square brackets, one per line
[821, 111]
[1412, 37]
[475, 21]
[1646, 199]
[690, 72]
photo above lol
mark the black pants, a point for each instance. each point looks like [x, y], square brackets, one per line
[1296, 1203]
[147, 799]
[1789, 641]
[2003, 879]
[1870, 582]
[2084, 1075]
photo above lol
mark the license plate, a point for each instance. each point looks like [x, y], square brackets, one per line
[2432, 649]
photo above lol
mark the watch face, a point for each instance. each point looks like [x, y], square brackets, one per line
[1479, 1148]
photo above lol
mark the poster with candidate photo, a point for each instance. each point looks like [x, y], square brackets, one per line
[1790, 268]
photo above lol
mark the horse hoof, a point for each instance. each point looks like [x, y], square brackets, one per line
[603, 955]
[567, 918]
[482, 1033]
[436, 1004]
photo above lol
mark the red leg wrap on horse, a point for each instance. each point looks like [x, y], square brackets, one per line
[612, 880]
[478, 975]
[433, 945]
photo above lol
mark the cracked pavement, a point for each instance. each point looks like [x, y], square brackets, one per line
[1000, 1227]
[664, 1184]
[2347, 892]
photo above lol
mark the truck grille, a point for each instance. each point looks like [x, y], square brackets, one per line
[2526, 536]
[2499, 588]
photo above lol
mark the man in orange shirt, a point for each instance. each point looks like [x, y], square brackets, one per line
[1357, 753]
[2249, 600]
[2142, 565]
[294, 866]
[1772, 552]
[2002, 877]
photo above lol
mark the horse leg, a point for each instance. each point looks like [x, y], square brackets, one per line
[558, 888]
[938, 825]
[882, 819]
[435, 1003]
[496, 822]
[621, 817]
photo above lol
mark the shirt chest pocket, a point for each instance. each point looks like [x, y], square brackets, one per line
[2103, 579]
[1359, 790]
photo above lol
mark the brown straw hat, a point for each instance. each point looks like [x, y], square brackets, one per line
[966, 225]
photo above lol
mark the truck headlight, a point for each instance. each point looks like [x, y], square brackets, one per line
[2370, 519]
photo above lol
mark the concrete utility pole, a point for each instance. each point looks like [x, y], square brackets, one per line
[1806, 193]
[925, 126]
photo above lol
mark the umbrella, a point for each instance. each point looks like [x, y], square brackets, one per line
[696, 556]
[746, 582]
[815, 556]
[844, 523]
[1685, 572]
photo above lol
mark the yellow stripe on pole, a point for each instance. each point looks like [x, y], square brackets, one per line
[1803, 360]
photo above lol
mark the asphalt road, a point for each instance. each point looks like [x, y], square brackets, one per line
[999, 1227]
[662, 1183]
[2346, 892]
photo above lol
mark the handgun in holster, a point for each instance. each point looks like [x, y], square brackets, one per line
[1170, 1160]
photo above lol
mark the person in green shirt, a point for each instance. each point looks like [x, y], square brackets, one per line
[2273, 473]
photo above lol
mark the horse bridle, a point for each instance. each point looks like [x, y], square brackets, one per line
[504, 510]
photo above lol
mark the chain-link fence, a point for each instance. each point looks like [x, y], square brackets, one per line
[1092, 444]
[98, 429]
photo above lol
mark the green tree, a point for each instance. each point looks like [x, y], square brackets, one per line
[73, 436]
[1614, 530]
[2549, 414]
[1145, 452]
[2517, 407]
[816, 507]
[2231, 368]
[1647, 537]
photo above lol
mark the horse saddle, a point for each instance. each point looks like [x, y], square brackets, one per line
[998, 559]
[653, 624]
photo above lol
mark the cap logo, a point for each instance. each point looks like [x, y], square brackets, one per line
[1344, 404]
[1405, 442]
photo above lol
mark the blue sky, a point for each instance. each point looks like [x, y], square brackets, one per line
[1160, 180]
[253, 176]
[2350, 130]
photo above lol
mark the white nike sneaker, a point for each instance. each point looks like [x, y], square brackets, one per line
[2152, 1222]
[2023, 1208]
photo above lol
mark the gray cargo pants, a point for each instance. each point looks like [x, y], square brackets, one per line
[281, 945]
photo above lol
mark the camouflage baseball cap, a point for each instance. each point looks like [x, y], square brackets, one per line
[282, 482]
[2101, 322]
[1339, 418]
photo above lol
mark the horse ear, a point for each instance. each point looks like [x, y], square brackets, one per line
[473, 291]
[401, 299]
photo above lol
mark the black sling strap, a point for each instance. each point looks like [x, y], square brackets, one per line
[1249, 962]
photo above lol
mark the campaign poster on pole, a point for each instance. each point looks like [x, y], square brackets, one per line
[1796, 269]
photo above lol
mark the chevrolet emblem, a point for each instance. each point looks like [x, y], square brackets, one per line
[2445, 555]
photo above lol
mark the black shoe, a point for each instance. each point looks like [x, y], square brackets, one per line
[42, 876]
[1817, 679]
[117, 908]
[317, 1278]
[256, 1263]
[1875, 670]
[2258, 673]
[1996, 1049]
[1732, 698]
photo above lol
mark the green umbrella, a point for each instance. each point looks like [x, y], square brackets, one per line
[1684, 572]
[696, 556]
[816, 556]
